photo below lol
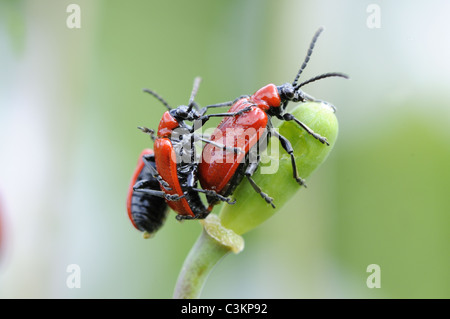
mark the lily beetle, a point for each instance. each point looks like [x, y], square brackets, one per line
[222, 175]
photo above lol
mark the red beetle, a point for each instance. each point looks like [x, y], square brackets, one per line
[220, 174]
[175, 158]
[147, 210]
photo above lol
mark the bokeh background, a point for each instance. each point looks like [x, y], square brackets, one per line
[70, 101]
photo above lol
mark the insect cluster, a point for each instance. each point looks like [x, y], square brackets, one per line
[174, 175]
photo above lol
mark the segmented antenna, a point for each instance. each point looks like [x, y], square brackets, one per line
[308, 54]
[320, 77]
[148, 131]
[197, 81]
[158, 97]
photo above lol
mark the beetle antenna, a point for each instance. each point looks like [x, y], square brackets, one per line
[308, 54]
[148, 131]
[320, 77]
[158, 97]
[197, 81]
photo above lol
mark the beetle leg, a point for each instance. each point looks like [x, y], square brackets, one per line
[288, 148]
[155, 173]
[212, 193]
[205, 118]
[191, 177]
[248, 173]
[327, 103]
[226, 148]
[173, 197]
[205, 109]
[202, 215]
[229, 103]
[207, 139]
[290, 117]
[153, 192]
[245, 109]
[141, 184]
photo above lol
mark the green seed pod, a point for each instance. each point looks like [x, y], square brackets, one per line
[250, 209]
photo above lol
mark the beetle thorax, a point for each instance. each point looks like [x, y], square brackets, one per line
[267, 97]
[167, 124]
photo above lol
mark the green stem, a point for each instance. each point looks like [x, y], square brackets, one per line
[202, 258]
[214, 243]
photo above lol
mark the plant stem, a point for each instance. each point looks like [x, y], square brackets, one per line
[214, 243]
[202, 258]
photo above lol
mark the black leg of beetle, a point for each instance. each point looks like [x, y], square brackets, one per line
[189, 217]
[327, 103]
[215, 195]
[154, 173]
[290, 117]
[218, 145]
[248, 173]
[205, 109]
[230, 114]
[162, 194]
[221, 146]
[142, 184]
[204, 136]
[191, 176]
[229, 103]
[240, 97]
[191, 179]
[288, 148]
[205, 118]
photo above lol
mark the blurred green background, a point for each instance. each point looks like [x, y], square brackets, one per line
[70, 101]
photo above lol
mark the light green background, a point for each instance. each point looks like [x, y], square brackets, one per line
[70, 101]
